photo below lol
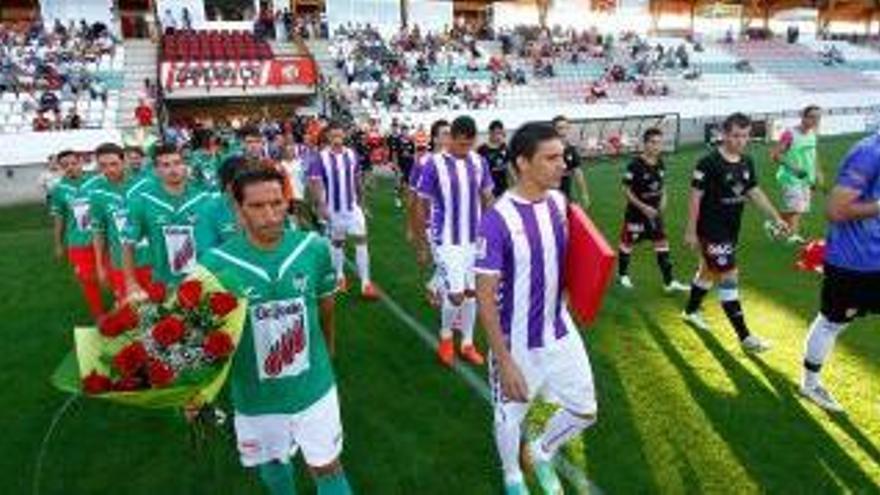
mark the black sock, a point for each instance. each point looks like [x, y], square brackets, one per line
[696, 299]
[734, 313]
[665, 265]
[813, 367]
[623, 263]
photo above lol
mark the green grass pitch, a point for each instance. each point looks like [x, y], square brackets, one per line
[680, 412]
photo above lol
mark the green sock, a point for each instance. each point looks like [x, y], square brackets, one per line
[334, 484]
[278, 477]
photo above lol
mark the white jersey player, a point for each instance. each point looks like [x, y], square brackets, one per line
[336, 182]
[535, 346]
[455, 187]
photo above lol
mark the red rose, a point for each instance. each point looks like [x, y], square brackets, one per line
[218, 344]
[127, 317]
[189, 293]
[118, 322]
[156, 292]
[160, 373]
[110, 326]
[168, 330]
[222, 303]
[128, 384]
[96, 383]
[130, 359]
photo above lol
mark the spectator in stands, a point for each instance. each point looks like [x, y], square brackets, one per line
[72, 121]
[169, 23]
[41, 123]
[187, 19]
[48, 102]
[143, 114]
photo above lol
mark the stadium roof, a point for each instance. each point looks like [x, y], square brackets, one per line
[840, 10]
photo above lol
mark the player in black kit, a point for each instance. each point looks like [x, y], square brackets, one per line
[494, 151]
[722, 182]
[646, 200]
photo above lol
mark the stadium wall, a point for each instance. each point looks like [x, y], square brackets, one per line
[18, 180]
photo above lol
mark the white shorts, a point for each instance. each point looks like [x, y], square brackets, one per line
[268, 437]
[560, 372]
[348, 223]
[455, 267]
[796, 199]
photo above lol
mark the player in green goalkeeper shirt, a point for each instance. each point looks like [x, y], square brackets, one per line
[282, 384]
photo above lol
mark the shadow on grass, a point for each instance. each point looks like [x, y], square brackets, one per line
[791, 398]
[756, 423]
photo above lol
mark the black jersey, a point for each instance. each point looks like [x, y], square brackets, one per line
[645, 181]
[498, 161]
[572, 162]
[724, 185]
[406, 153]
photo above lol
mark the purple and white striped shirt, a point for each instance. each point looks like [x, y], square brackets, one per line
[415, 174]
[524, 242]
[340, 175]
[455, 186]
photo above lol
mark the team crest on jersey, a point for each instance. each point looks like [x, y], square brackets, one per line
[738, 189]
[300, 282]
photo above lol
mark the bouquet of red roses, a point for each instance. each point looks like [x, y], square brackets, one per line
[165, 352]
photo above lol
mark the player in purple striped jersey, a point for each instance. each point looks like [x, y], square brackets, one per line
[535, 346]
[455, 187]
[337, 186]
[439, 144]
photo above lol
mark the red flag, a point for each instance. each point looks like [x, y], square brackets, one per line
[589, 265]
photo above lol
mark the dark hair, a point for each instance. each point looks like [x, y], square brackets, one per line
[558, 119]
[333, 124]
[109, 149]
[201, 138]
[435, 131]
[464, 126]
[162, 149]
[526, 139]
[737, 119]
[228, 169]
[496, 125]
[650, 133]
[251, 131]
[64, 154]
[810, 108]
[253, 175]
[135, 149]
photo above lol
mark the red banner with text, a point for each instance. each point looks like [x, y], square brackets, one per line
[290, 71]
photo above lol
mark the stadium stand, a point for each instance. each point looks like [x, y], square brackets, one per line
[59, 77]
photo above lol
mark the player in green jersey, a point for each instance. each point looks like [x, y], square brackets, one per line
[164, 212]
[282, 384]
[69, 205]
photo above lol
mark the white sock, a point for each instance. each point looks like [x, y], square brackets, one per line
[820, 342]
[338, 259]
[562, 427]
[448, 313]
[468, 319]
[362, 258]
[507, 440]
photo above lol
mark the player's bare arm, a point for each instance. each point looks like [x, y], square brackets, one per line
[690, 232]
[512, 381]
[328, 323]
[844, 205]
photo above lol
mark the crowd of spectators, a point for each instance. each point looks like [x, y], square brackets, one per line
[53, 64]
[413, 70]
